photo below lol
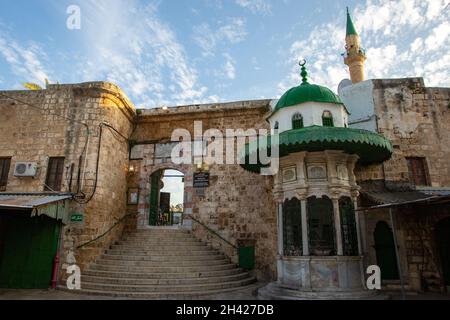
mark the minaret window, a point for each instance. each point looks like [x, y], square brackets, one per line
[297, 121]
[276, 126]
[327, 119]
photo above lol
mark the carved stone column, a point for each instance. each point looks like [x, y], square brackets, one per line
[337, 227]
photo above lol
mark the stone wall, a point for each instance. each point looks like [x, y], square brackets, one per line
[238, 204]
[36, 125]
[416, 119]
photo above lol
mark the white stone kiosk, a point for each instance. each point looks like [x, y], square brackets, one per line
[319, 243]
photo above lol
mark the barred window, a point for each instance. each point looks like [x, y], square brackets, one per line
[277, 125]
[321, 226]
[54, 174]
[417, 169]
[297, 121]
[327, 119]
[292, 227]
[348, 226]
[5, 163]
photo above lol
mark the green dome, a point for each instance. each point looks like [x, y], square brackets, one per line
[307, 93]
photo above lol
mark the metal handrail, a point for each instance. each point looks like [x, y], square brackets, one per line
[214, 232]
[108, 231]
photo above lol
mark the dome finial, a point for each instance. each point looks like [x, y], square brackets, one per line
[304, 73]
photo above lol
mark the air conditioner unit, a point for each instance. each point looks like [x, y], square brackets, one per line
[25, 169]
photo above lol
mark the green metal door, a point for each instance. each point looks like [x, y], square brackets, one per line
[29, 248]
[443, 244]
[154, 197]
[385, 251]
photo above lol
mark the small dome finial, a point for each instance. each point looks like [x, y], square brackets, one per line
[304, 73]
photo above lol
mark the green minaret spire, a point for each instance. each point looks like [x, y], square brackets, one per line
[350, 27]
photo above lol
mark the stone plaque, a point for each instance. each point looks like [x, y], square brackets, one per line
[164, 151]
[137, 152]
[317, 172]
[289, 174]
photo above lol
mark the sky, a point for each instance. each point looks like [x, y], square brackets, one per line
[174, 186]
[174, 52]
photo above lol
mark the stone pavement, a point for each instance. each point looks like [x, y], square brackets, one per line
[249, 293]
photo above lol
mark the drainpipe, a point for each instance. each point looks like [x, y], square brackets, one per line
[394, 233]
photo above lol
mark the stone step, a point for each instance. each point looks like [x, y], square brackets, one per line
[160, 269]
[145, 252]
[162, 281]
[158, 232]
[162, 258]
[162, 264]
[158, 243]
[167, 288]
[159, 236]
[150, 264]
[159, 240]
[165, 275]
[184, 247]
[155, 295]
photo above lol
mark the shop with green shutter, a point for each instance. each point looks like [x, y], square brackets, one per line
[30, 228]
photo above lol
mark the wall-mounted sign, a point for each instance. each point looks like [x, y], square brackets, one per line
[76, 218]
[201, 179]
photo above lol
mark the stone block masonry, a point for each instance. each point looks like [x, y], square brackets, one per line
[238, 204]
[416, 119]
[53, 126]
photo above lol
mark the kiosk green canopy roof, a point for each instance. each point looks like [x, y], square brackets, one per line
[369, 146]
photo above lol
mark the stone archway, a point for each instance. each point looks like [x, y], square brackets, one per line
[166, 191]
[442, 236]
[145, 177]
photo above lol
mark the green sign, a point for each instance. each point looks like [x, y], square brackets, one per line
[76, 218]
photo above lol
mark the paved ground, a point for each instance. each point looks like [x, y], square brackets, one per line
[248, 293]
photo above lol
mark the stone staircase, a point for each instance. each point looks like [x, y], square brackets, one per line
[162, 264]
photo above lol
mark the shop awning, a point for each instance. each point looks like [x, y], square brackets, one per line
[385, 198]
[55, 206]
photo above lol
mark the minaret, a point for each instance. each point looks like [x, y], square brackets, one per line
[355, 55]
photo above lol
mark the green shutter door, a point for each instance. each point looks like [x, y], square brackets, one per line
[443, 241]
[154, 195]
[385, 251]
[28, 252]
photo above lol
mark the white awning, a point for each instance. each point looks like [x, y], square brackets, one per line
[55, 206]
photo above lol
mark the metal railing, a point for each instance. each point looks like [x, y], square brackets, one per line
[213, 232]
[107, 231]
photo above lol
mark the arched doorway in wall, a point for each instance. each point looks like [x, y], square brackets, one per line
[166, 198]
[442, 235]
[385, 251]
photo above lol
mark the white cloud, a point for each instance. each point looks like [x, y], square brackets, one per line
[130, 45]
[25, 61]
[230, 69]
[256, 6]
[233, 31]
[402, 38]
